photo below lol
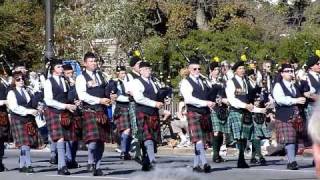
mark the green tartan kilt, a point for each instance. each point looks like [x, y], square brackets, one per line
[238, 129]
[218, 125]
[308, 112]
[261, 131]
[133, 119]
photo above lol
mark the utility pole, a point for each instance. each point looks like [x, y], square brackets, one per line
[49, 52]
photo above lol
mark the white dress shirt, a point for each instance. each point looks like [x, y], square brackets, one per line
[13, 103]
[137, 90]
[48, 94]
[81, 88]
[279, 95]
[315, 76]
[186, 90]
[121, 97]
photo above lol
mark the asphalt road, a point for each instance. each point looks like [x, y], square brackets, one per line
[168, 167]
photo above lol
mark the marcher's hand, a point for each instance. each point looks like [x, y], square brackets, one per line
[77, 102]
[71, 107]
[159, 105]
[210, 104]
[113, 96]
[249, 107]
[34, 112]
[105, 101]
[301, 100]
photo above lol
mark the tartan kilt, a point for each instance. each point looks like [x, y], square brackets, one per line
[261, 131]
[133, 119]
[308, 112]
[76, 128]
[56, 130]
[200, 127]
[289, 132]
[238, 129]
[218, 125]
[92, 130]
[122, 118]
[20, 133]
[5, 127]
[148, 127]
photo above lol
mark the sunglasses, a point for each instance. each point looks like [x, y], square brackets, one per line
[19, 79]
[288, 71]
[196, 69]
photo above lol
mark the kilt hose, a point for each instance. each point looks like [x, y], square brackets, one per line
[56, 130]
[122, 118]
[4, 127]
[76, 128]
[289, 132]
[148, 127]
[92, 130]
[261, 131]
[218, 125]
[133, 119]
[200, 127]
[238, 129]
[21, 132]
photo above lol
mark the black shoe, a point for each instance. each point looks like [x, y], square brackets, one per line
[313, 164]
[217, 159]
[97, 172]
[292, 166]
[127, 157]
[23, 170]
[206, 168]
[89, 167]
[29, 169]
[53, 160]
[262, 161]
[72, 165]
[63, 171]
[2, 168]
[146, 165]
[242, 164]
[197, 169]
[253, 161]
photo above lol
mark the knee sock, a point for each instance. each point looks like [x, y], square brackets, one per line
[150, 150]
[1, 151]
[256, 148]
[220, 142]
[202, 155]
[61, 154]
[215, 144]
[124, 141]
[27, 156]
[99, 153]
[290, 150]
[53, 149]
[74, 149]
[22, 158]
[196, 160]
[68, 151]
[91, 148]
[128, 144]
[241, 146]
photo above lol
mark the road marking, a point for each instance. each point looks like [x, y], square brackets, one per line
[101, 177]
[282, 170]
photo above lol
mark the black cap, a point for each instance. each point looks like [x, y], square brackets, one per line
[134, 60]
[250, 72]
[194, 60]
[312, 60]
[120, 68]
[237, 64]
[284, 66]
[144, 64]
[19, 64]
[67, 67]
[214, 65]
[55, 62]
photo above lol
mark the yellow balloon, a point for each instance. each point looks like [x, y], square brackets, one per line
[216, 59]
[136, 53]
[243, 57]
[318, 52]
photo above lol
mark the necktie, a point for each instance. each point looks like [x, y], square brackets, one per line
[122, 87]
[318, 76]
[60, 83]
[23, 95]
[96, 77]
[198, 82]
[244, 85]
[292, 90]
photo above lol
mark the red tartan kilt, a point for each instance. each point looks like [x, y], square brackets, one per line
[122, 119]
[76, 128]
[288, 132]
[56, 130]
[92, 130]
[200, 127]
[148, 126]
[20, 132]
[4, 126]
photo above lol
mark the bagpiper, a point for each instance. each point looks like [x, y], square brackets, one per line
[288, 115]
[91, 89]
[4, 120]
[23, 125]
[195, 92]
[219, 114]
[58, 112]
[121, 113]
[144, 92]
[240, 115]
